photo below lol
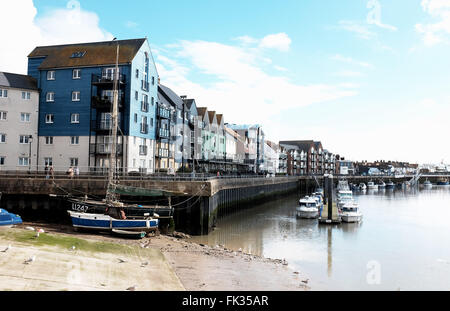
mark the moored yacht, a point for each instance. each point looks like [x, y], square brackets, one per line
[350, 212]
[427, 184]
[362, 186]
[381, 185]
[390, 185]
[308, 208]
[372, 186]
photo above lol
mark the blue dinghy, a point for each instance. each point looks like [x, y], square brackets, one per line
[8, 219]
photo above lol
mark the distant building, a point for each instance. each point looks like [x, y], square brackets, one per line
[255, 137]
[19, 105]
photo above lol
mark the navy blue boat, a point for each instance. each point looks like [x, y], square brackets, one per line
[8, 219]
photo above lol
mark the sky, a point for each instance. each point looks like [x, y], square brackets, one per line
[370, 79]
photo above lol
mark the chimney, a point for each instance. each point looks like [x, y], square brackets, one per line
[183, 97]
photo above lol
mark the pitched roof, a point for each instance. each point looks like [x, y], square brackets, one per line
[304, 145]
[18, 81]
[188, 103]
[219, 118]
[211, 116]
[171, 96]
[95, 53]
[202, 111]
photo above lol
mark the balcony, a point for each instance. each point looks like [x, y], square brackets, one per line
[105, 102]
[143, 150]
[107, 78]
[164, 153]
[102, 125]
[144, 85]
[104, 148]
[144, 128]
[163, 112]
[163, 133]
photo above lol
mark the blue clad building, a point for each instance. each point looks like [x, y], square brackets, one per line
[76, 93]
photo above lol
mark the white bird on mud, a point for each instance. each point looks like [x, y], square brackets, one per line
[7, 248]
[37, 234]
[30, 260]
[132, 288]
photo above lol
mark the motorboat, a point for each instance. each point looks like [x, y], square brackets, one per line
[343, 186]
[362, 186]
[427, 184]
[381, 185]
[372, 186]
[349, 212]
[443, 182]
[308, 208]
[390, 185]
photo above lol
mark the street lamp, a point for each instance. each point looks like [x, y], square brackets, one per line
[30, 140]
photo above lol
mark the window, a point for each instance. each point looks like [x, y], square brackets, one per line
[108, 73]
[49, 118]
[73, 161]
[49, 140]
[3, 115]
[24, 139]
[151, 121]
[3, 93]
[136, 95]
[2, 138]
[24, 117]
[76, 74]
[75, 140]
[137, 73]
[2, 160]
[78, 54]
[153, 80]
[24, 161]
[75, 118]
[48, 161]
[26, 95]
[50, 97]
[135, 118]
[50, 75]
[75, 96]
[153, 101]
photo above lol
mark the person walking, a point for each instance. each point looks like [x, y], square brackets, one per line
[52, 172]
[46, 171]
[70, 172]
[77, 172]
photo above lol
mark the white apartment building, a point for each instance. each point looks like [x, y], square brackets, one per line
[19, 105]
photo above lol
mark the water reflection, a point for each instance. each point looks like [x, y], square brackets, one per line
[396, 231]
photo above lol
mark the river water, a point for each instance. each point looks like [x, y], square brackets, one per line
[403, 242]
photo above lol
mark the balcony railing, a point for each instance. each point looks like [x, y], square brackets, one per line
[163, 112]
[105, 148]
[163, 133]
[105, 102]
[107, 78]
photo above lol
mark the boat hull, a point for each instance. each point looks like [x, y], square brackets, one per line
[307, 214]
[350, 218]
[105, 222]
[8, 219]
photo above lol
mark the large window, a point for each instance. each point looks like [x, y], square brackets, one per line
[2, 138]
[75, 96]
[48, 161]
[3, 93]
[3, 115]
[49, 118]
[75, 118]
[26, 95]
[50, 75]
[50, 97]
[75, 140]
[24, 139]
[73, 161]
[25, 117]
[76, 74]
[24, 161]
[2, 160]
[49, 140]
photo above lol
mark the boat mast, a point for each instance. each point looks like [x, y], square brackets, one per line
[110, 193]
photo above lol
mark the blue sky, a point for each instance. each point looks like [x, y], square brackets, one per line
[369, 78]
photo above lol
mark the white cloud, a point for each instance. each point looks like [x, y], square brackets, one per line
[350, 60]
[437, 32]
[348, 74]
[237, 84]
[58, 26]
[360, 29]
[280, 41]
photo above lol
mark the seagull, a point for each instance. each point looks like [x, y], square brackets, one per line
[121, 260]
[132, 288]
[37, 234]
[73, 247]
[30, 260]
[7, 248]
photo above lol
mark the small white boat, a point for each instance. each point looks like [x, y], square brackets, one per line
[350, 212]
[362, 186]
[390, 185]
[344, 197]
[427, 184]
[372, 186]
[308, 208]
[381, 185]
